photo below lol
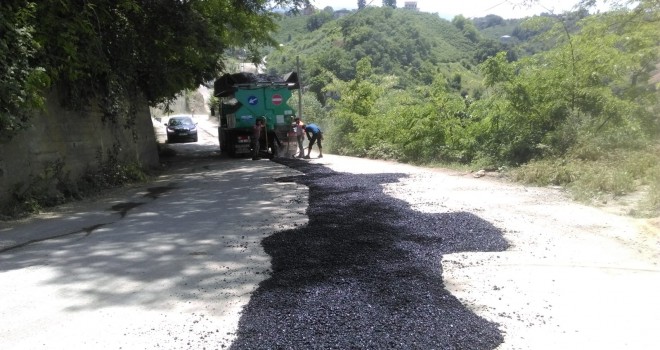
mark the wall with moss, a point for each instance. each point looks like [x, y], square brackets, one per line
[62, 146]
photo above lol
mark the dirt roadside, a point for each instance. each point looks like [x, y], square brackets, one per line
[575, 277]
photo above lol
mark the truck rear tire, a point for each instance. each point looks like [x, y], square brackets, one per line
[232, 151]
[221, 138]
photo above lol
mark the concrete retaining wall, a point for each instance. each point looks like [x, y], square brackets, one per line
[77, 140]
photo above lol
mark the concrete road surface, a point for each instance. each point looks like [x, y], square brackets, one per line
[171, 264]
[165, 265]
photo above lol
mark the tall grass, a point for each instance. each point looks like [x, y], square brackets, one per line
[602, 176]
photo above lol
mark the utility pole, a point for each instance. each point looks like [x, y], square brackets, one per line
[299, 88]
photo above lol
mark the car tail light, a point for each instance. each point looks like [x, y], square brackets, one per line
[243, 139]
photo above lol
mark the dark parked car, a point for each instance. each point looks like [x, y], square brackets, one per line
[181, 128]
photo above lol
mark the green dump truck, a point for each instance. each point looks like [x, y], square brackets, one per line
[246, 97]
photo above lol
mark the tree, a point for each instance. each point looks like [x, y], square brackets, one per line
[20, 80]
[355, 104]
[106, 50]
[361, 4]
[317, 20]
[488, 21]
[389, 3]
[467, 27]
[593, 84]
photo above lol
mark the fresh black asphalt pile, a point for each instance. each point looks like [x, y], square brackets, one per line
[365, 273]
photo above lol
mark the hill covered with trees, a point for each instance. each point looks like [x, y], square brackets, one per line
[562, 102]
[413, 46]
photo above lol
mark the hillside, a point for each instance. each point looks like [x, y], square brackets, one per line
[566, 100]
[413, 46]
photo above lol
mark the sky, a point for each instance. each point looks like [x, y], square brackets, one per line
[469, 8]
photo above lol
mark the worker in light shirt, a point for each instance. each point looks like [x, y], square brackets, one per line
[299, 130]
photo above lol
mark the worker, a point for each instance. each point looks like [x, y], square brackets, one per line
[314, 135]
[299, 130]
[256, 135]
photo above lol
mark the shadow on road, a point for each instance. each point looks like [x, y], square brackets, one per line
[193, 235]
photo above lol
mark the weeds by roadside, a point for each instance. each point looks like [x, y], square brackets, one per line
[54, 186]
[603, 177]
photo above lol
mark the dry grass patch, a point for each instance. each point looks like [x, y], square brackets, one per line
[627, 177]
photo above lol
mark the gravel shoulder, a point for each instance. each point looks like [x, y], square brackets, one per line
[574, 277]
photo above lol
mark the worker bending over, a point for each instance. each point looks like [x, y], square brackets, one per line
[314, 135]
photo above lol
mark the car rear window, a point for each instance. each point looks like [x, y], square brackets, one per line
[181, 121]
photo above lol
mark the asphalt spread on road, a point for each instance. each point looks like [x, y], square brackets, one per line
[365, 272]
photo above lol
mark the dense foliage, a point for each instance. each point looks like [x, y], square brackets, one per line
[412, 46]
[389, 3]
[105, 50]
[20, 80]
[558, 89]
[593, 80]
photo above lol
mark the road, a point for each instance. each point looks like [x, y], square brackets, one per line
[168, 264]
[329, 253]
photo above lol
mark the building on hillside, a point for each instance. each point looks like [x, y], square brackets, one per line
[410, 5]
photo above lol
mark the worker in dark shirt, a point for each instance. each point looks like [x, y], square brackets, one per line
[314, 135]
[256, 135]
